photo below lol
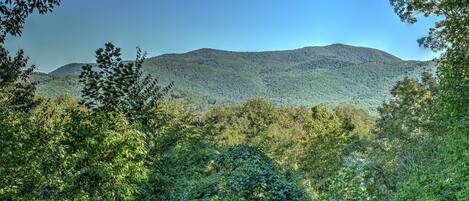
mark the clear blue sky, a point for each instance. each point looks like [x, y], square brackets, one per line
[77, 27]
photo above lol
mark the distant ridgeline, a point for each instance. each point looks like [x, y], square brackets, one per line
[332, 75]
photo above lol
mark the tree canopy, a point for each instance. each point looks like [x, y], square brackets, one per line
[125, 140]
[118, 86]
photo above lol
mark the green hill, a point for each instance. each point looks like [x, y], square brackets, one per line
[331, 75]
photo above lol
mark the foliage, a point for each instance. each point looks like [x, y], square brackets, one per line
[13, 14]
[325, 147]
[312, 142]
[127, 143]
[451, 109]
[107, 157]
[22, 133]
[178, 153]
[244, 173]
[14, 84]
[33, 150]
[61, 150]
[405, 114]
[403, 140]
[120, 86]
[350, 182]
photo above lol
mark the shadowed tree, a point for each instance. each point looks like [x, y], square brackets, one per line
[120, 86]
[15, 88]
[14, 85]
[13, 14]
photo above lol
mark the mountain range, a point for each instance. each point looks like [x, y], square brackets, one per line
[332, 75]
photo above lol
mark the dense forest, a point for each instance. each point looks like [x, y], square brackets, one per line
[124, 138]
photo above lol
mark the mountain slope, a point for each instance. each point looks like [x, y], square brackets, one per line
[331, 74]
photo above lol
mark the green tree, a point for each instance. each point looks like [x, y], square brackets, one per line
[404, 138]
[106, 157]
[356, 119]
[14, 84]
[408, 111]
[312, 142]
[324, 148]
[24, 130]
[452, 111]
[179, 153]
[350, 182]
[34, 150]
[14, 13]
[239, 124]
[119, 86]
[243, 172]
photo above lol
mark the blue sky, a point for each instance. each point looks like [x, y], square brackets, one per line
[77, 27]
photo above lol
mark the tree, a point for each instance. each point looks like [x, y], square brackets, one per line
[119, 86]
[179, 153]
[105, 157]
[324, 148]
[34, 150]
[24, 128]
[452, 101]
[14, 13]
[350, 182]
[14, 83]
[243, 172]
[408, 111]
[312, 141]
[405, 138]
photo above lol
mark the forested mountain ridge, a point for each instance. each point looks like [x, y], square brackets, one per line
[330, 74]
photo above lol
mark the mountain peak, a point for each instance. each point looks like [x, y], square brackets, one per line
[337, 52]
[71, 68]
[339, 45]
[364, 53]
[207, 50]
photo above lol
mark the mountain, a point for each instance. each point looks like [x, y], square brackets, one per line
[69, 69]
[332, 74]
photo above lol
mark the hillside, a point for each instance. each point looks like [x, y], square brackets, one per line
[331, 75]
